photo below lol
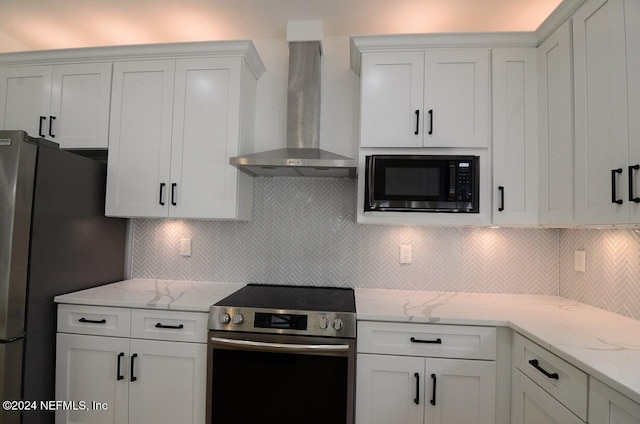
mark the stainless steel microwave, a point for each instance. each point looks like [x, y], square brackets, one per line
[422, 183]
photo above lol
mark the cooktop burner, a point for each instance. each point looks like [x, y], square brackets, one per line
[302, 298]
[304, 310]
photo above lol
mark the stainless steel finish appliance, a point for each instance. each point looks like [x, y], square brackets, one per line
[422, 183]
[54, 239]
[301, 157]
[282, 354]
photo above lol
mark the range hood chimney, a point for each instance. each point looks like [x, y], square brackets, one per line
[302, 156]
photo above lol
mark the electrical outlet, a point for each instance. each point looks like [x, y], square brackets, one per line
[185, 247]
[405, 254]
[579, 260]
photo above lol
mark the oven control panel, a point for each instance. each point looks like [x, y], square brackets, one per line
[327, 324]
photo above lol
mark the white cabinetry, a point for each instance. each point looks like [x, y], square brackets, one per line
[67, 103]
[433, 98]
[174, 125]
[606, 112]
[556, 128]
[545, 388]
[607, 406]
[515, 143]
[419, 373]
[145, 366]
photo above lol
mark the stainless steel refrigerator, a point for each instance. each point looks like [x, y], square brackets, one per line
[54, 239]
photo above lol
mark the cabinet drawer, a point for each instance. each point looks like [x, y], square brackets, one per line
[94, 320]
[450, 341]
[169, 325]
[559, 378]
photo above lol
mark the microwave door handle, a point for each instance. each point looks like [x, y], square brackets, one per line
[370, 180]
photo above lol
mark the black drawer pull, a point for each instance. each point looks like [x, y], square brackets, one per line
[161, 199]
[133, 357]
[534, 364]
[430, 121]
[436, 341]
[175, 327]
[93, 321]
[501, 190]
[173, 194]
[119, 376]
[417, 122]
[51, 119]
[417, 399]
[42, 118]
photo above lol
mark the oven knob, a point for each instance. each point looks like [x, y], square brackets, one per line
[323, 323]
[224, 318]
[337, 324]
[238, 319]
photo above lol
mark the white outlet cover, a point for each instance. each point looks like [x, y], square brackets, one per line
[579, 261]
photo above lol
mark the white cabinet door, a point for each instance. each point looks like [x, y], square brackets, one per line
[460, 391]
[25, 97]
[80, 99]
[391, 99]
[532, 405]
[390, 389]
[140, 139]
[601, 127]
[515, 137]
[556, 128]
[87, 370]
[456, 99]
[607, 406]
[168, 382]
[205, 133]
[632, 17]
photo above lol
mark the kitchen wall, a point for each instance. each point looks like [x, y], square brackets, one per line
[304, 232]
[612, 277]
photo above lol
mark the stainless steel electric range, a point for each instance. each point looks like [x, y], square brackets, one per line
[284, 354]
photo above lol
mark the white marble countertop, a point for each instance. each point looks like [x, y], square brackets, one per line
[153, 294]
[601, 343]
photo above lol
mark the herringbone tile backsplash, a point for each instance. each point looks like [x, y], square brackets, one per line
[304, 232]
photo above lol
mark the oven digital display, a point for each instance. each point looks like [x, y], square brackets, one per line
[282, 321]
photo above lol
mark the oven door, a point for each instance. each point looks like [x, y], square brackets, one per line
[280, 379]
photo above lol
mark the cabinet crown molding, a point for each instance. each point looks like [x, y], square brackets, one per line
[234, 48]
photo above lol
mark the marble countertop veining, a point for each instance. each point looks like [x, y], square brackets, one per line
[153, 294]
[603, 344]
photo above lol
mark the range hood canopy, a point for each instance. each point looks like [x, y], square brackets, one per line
[301, 157]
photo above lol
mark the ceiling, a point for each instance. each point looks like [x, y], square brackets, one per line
[46, 24]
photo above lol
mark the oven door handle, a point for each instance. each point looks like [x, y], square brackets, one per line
[281, 347]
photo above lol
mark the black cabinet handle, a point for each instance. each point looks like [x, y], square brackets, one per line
[417, 399]
[430, 121]
[501, 190]
[93, 321]
[436, 341]
[417, 122]
[133, 357]
[631, 169]
[173, 194]
[614, 197]
[175, 327]
[433, 395]
[51, 119]
[160, 199]
[42, 118]
[119, 376]
[534, 364]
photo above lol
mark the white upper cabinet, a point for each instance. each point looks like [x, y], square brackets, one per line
[556, 128]
[68, 103]
[436, 98]
[515, 142]
[632, 28]
[603, 143]
[174, 126]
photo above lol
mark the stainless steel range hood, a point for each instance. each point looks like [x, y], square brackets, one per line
[301, 157]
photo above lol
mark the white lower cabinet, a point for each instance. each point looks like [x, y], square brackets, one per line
[607, 406]
[413, 388]
[130, 380]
